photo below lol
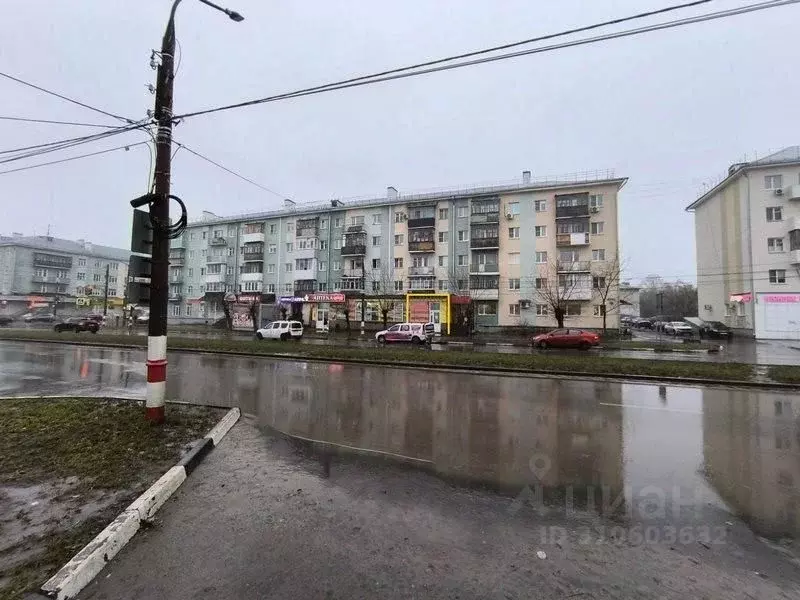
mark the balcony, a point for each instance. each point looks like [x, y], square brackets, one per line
[249, 238]
[211, 260]
[578, 266]
[427, 246]
[304, 286]
[420, 271]
[485, 217]
[357, 272]
[354, 250]
[177, 260]
[251, 276]
[49, 260]
[176, 278]
[485, 242]
[218, 241]
[579, 291]
[214, 277]
[252, 257]
[422, 223]
[351, 285]
[572, 239]
[488, 268]
[49, 279]
[793, 192]
[423, 284]
[175, 297]
[307, 252]
[484, 294]
[794, 257]
[307, 227]
[573, 212]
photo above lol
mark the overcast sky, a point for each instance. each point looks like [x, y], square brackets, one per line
[670, 110]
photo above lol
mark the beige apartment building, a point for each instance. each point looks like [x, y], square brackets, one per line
[747, 233]
[497, 249]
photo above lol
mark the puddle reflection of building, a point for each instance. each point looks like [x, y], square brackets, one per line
[751, 446]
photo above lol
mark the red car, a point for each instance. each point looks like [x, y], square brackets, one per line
[566, 338]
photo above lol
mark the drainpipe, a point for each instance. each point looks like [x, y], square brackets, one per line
[750, 257]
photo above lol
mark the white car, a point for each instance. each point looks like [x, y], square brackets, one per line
[281, 330]
[415, 333]
[677, 328]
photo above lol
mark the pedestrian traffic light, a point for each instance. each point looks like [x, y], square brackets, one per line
[140, 261]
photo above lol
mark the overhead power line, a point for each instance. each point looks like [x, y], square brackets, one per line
[50, 122]
[66, 98]
[71, 158]
[414, 70]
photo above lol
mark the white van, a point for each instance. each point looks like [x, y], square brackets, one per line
[281, 330]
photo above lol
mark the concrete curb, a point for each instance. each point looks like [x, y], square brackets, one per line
[86, 564]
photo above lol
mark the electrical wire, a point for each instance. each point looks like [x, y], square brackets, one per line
[66, 98]
[50, 122]
[403, 72]
[71, 158]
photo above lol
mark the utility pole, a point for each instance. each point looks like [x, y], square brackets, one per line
[159, 216]
[105, 294]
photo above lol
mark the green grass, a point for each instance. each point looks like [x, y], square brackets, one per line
[784, 373]
[544, 361]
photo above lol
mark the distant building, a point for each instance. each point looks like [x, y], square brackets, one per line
[37, 271]
[747, 232]
[629, 300]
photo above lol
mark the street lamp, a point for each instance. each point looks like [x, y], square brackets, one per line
[159, 218]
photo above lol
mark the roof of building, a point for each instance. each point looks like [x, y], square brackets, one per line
[789, 155]
[529, 184]
[53, 244]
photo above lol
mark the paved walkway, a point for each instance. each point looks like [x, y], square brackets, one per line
[263, 517]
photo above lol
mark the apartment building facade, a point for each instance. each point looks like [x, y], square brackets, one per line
[747, 234]
[37, 270]
[487, 246]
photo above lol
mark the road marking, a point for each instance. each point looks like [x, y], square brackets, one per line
[680, 410]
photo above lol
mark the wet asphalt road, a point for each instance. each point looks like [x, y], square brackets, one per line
[706, 453]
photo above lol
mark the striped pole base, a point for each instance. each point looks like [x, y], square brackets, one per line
[156, 378]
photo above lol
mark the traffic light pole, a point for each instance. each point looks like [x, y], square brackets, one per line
[159, 216]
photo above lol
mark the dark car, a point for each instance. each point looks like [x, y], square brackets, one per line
[6, 321]
[715, 329]
[76, 325]
[39, 318]
[566, 338]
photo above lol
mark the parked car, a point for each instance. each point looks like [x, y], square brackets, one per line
[566, 338]
[39, 318]
[6, 320]
[715, 329]
[99, 319]
[677, 328]
[415, 333]
[76, 325]
[642, 323]
[281, 330]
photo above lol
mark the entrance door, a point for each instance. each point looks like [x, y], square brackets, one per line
[322, 318]
[435, 316]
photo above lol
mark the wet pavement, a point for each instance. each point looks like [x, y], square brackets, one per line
[701, 454]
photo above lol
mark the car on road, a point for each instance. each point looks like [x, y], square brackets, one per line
[415, 333]
[566, 338]
[677, 328]
[6, 320]
[76, 325]
[39, 318]
[281, 330]
[642, 323]
[715, 329]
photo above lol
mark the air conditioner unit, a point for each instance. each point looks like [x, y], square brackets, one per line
[509, 216]
[595, 209]
[779, 192]
[403, 217]
[524, 303]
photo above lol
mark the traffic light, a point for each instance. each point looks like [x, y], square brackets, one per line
[140, 261]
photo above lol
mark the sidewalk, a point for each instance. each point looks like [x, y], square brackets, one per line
[259, 518]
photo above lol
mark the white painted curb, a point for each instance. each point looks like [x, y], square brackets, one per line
[86, 564]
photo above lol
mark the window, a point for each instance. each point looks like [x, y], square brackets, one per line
[191, 253]
[337, 244]
[513, 309]
[303, 264]
[398, 239]
[337, 265]
[202, 271]
[443, 237]
[290, 228]
[443, 261]
[398, 217]
[376, 286]
[774, 213]
[540, 205]
[572, 309]
[81, 262]
[398, 285]
[513, 284]
[322, 266]
[462, 211]
[398, 263]
[229, 271]
[596, 200]
[289, 246]
[598, 254]
[486, 308]
[112, 280]
[190, 271]
[376, 219]
[271, 268]
[323, 244]
[540, 283]
[96, 276]
[176, 310]
[540, 257]
[114, 266]
[191, 235]
[323, 223]
[512, 208]
[270, 288]
[777, 276]
[376, 263]
[357, 220]
[597, 310]
[273, 248]
[596, 228]
[461, 260]
[214, 269]
[218, 233]
[540, 231]
[288, 267]
[541, 310]
[203, 235]
[376, 241]
[444, 214]
[272, 228]
[513, 233]
[230, 251]
[189, 306]
[420, 261]
[463, 235]
[189, 289]
[599, 283]
[775, 244]
[287, 287]
[81, 276]
[773, 182]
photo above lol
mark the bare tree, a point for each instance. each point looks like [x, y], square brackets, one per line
[458, 284]
[554, 285]
[380, 285]
[606, 278]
